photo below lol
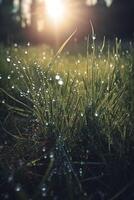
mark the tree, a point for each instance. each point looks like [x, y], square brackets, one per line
[121, 2]
[7, 21]
[101, 3]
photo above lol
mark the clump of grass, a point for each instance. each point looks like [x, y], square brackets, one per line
[60, 117]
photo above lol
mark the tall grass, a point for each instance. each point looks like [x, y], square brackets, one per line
[65, 113]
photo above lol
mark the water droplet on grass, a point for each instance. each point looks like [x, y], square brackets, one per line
[43, 188]
[44, 194]
[96, 114]
[15, 45]
[9, 77]
[85, 194]
[93, 37]
[80, 171]
[3, 101]
[10, 178]
[43, 149]
[28, 44]
[60, 82]
[18, 188]
[57, 77]
[8, 60]
[81, 114]
[78, 61]
[51, 155]
[45, 156]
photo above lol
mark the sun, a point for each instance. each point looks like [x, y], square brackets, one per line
[55, 9]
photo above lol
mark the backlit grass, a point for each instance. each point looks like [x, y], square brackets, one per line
[63, 114]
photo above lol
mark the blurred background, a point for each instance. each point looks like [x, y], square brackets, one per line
[52, 21]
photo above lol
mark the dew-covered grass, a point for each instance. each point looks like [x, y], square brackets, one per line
[66, 122]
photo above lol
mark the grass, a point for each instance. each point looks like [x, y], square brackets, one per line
[67, 122]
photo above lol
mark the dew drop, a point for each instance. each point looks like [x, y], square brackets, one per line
[85, 194]
[28, 44]
[43, 188]
[3, 101]
[80, 171]
[18, 188]
[15, 45]
[8, 59]
[9, 77]
[44, 194]
[10, 178]
[51, 155]
[57, 77]
[87, 151]
[96, 114]
[81, 115]
[60, 82]
[7, 52]
[45, 156]
[111, 65]
[94, 38]
[21, 94]
[78, 61]
[43, 149]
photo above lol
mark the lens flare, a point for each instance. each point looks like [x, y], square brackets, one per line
[55, 9]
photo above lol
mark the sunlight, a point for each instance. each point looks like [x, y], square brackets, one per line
[55, 9]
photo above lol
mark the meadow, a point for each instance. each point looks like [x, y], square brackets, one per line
[67, 121]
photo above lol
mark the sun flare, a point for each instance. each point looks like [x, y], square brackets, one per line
[55, 9]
